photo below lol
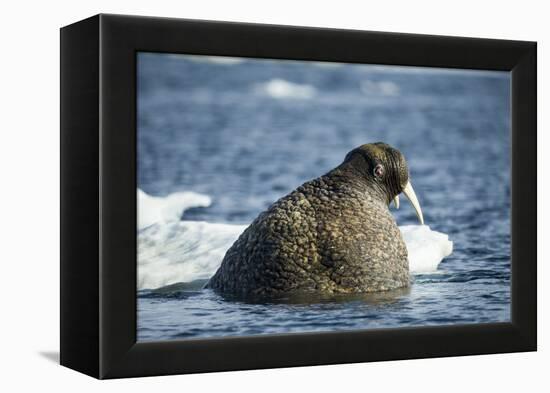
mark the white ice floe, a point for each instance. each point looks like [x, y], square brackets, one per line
[171, 251]
[153, 209]
[383, 88]
[426, 248]
[221, 60]
[182, 251]
[282, 89]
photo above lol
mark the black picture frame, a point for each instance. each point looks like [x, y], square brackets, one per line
[98, 196]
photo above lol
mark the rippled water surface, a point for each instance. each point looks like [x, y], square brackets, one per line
[248, 132]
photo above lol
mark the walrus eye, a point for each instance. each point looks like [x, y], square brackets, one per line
[379, 170]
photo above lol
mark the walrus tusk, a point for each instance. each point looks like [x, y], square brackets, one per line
[409, 193]
[396, 201]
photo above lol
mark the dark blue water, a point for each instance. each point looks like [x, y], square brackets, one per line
[248, 132]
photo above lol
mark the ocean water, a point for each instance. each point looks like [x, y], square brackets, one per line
[220, 139]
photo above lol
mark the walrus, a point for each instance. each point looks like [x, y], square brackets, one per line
[333, 234]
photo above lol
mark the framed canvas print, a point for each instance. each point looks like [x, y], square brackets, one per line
[239, 196]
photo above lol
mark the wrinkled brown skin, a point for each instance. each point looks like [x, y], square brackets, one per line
[333, 234]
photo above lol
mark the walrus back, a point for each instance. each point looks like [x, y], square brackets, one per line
[325, 236]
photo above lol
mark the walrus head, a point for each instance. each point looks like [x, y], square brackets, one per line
[385, 168]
